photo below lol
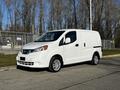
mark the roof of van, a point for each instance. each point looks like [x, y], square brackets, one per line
[81, 30]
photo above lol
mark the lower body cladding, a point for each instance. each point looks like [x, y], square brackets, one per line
[32, 60]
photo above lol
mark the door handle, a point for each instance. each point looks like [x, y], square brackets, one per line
[77, 45]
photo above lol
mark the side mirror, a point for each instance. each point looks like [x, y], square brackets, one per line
[67, 40]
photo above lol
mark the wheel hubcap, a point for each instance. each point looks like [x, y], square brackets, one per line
[56, 65]
[96, 60]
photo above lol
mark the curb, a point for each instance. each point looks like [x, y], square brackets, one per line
[109, 56]
[7, 68]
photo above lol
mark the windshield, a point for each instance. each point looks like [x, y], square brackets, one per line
[50, 36]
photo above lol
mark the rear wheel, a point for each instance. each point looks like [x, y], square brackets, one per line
[55, 64]
[95, 59]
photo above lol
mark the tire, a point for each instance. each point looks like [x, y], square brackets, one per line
[95, 59]
[55, 65]
[17, 67]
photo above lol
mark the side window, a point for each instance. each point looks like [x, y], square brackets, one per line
[72, 36]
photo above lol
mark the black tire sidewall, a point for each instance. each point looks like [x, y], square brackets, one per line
[51, 64]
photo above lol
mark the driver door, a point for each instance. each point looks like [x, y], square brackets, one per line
[70, 49]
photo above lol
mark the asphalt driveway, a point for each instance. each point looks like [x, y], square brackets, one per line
[105, 76]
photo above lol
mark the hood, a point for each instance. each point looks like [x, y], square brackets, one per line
[34, 45]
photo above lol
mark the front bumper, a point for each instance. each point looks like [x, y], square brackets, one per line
[33, 60]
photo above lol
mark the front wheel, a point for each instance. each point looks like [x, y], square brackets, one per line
[95, 59]
[55, 65]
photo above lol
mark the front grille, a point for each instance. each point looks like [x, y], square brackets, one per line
[26, 63]
[27, 51]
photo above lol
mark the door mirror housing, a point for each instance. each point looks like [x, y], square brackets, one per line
[67, 40]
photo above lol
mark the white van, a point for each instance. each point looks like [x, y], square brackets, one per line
[61, 47]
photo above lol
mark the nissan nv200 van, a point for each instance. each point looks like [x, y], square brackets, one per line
[57, 48]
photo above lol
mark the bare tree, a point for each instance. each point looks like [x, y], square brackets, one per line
[26, 15]
[41, 16]
[1, 16]
[9, 8]
[34, 5]
[75, 14]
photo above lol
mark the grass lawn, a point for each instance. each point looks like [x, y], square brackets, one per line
[8, 60]
[110, 52]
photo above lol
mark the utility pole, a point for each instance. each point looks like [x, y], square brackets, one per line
[90, 14]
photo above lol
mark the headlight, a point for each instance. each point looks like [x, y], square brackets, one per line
[43, 48]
